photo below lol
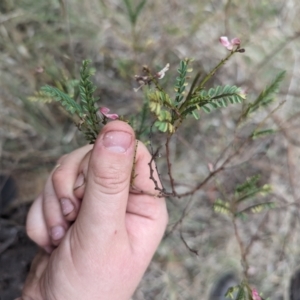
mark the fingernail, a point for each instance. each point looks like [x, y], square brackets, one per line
[57, 232]
[66, 206]
[79, 181]
[117, 141]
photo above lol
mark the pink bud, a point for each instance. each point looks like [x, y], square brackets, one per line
[229, 44]
[210, 167]
[105, 111]
[235, 41]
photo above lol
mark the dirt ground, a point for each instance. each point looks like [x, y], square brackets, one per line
[16, 253]
[44, 42]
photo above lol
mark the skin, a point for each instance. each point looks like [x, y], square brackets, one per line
[104, 253]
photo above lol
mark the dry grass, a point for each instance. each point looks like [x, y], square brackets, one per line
[57, 35]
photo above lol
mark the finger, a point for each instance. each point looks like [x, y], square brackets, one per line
[33, 281]
[107, 183]
[145, 179]
[65, 177]
[36, 226]
[80, 185]
[54, 218]
[146, 213]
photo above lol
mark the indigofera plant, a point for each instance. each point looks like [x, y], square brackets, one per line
[166, 111]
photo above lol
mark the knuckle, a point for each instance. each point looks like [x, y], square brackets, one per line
[59, 174]
[61, 159]
[112, 179]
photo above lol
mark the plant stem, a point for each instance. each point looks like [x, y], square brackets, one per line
[214, 70]
[244, 261]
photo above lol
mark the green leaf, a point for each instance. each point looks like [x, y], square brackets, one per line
[63, 98]
[222, 207]
[250, 183]
[217, 97]
[257, 208]
[196, 114]
[266, 96]
[262, 133]
[243, 216]
[164, 116]
[162, 126]
[230, 292]
[133, 14]
[180, 85]
[206, 109]
[241, 294]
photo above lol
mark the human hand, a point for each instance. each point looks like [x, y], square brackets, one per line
[105, 252]
[60, 201]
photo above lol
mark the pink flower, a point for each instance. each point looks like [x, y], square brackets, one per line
[255, 295]
[105, 111]
[229, 44]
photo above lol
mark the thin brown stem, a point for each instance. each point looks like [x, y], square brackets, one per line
[183, 215]
[244, 261]
[133, 175]
[169, 164]
[186, 244]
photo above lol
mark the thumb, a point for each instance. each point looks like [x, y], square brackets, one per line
[107, 181]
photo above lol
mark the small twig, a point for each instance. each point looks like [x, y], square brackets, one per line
[270, 114]
[9, 16]
[185, 243]
[153, 156]
[214, 70]
[157, 187]
[183, 215]
[136, 191]
[133, 175]
[244, 261]
[255, 236]
[169, 164]
[227, 16]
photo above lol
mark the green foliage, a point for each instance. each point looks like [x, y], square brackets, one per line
[222, 207]
[87, 89]
[230, 292]
[66, 101]
[247, 185]
[181, 83]
[170, 113]
[266, 96]
[160, 104]
[85, 110]
[64, 85]
[261, 133]
[244, 193]
[249, 189]
[41, 96]
[133, 13]
[239, 292]
[242, 295]
[140, 124]
[214, 98]
[257, 208]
